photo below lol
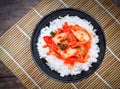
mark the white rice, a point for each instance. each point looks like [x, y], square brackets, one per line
[58, 65]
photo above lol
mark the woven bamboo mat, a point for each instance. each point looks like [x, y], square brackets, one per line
[15, 46]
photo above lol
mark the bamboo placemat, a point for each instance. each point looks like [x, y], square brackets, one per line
[15, 46]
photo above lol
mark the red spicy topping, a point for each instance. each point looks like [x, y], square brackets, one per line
[70, 44]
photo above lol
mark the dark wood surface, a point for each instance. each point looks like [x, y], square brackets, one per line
[8, 80]
[10, 12]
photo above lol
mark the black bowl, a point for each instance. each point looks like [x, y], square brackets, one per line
[42, 62]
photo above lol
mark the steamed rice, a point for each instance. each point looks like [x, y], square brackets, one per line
[58, 65]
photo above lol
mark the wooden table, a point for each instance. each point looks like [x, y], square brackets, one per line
[15, 46]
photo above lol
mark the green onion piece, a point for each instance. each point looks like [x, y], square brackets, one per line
[52, 33]
[63, 47]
